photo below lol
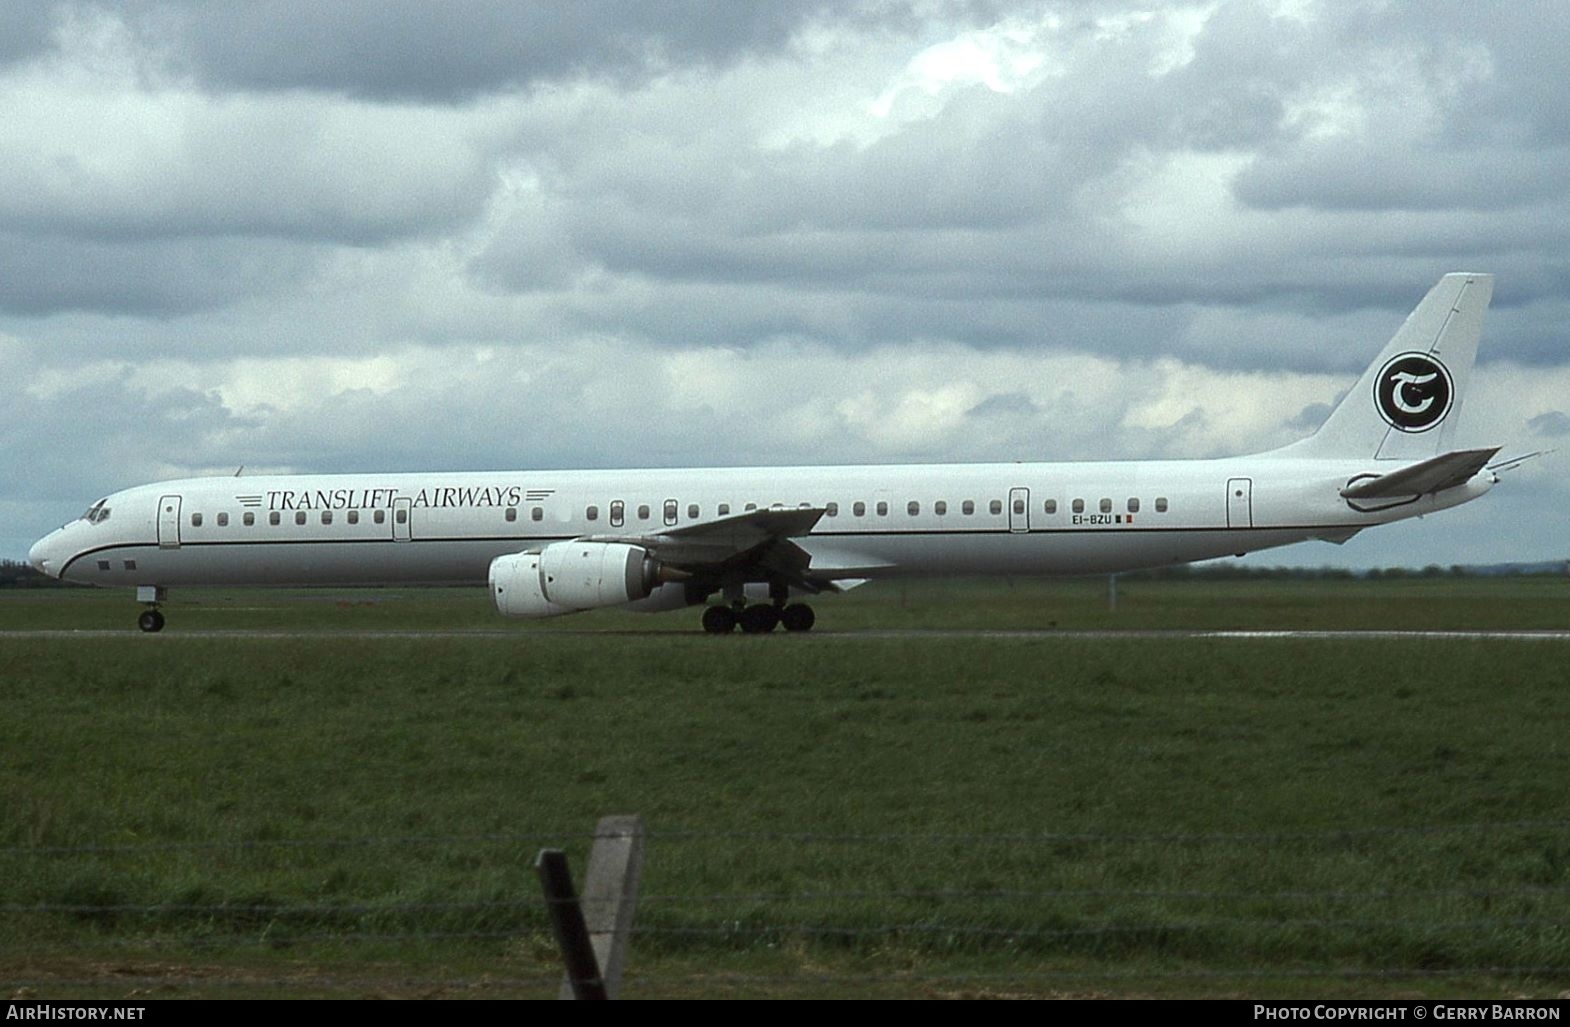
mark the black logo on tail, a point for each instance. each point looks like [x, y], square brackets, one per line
[1413, 392]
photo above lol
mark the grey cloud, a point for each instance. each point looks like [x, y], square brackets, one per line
[999, 204]
[1553, 424]
[1497, 87]
[449, 53]
[1004, 404]
[277, 171]
[1310, 417]
[25, 30]
[1371, 175]
[42, 276]
[106, 434]
[1521, 99]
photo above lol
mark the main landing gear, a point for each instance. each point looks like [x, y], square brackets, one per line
[152, 619]
[758, 619]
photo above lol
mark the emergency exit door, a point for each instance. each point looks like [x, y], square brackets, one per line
[1240, 502]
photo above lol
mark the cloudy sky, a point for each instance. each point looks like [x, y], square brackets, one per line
[390, 235]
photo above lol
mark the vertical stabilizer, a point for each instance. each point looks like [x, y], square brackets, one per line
[1406, 404]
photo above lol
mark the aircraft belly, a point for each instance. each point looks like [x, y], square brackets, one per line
[326, 563]
[1048, 553]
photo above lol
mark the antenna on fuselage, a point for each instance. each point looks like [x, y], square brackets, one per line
[238, 470]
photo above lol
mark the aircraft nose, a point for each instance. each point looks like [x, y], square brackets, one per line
[41, 557]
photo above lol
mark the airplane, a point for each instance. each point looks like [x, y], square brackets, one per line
[760, 540]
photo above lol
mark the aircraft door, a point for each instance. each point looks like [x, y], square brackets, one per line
[169, 522]
[403, 513]
[1019, 509]
[1240, 502]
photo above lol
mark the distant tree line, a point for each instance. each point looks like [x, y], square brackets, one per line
[1226, 571]
[18, 574]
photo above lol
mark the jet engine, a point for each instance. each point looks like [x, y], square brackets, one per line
[565, 577]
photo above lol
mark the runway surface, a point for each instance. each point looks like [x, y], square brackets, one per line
[504, 634]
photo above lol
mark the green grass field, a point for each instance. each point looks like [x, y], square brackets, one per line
[351, 811]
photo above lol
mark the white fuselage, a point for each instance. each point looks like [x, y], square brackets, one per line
[1013, 518]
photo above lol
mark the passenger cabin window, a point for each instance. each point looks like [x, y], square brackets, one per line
[940, 508]
[968, 507]
[1079, 506]
[537, 514]
[724, 510]
[859, 508]
[380, 517]
[1161, 504]
[996, 506]
[1051, 506]
[617, 513]
[1106, 506]
[913, 508]
[223, 520]
[592, 513]
[832, 509]
[401, 516]
[1133, 506]
[692, 511]
[250, 519]
[299, 517]
[670, 511]
[1019, 506]
[511, 514]
[643, 511]
[354, 517]
[883, 508]
[750, 507]
[327, 516]
[196, 520]
[272, 518]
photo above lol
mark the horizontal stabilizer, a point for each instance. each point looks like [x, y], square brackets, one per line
[1432, 475]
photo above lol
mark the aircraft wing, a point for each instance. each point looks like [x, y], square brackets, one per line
[756, 538]
[1432, 475]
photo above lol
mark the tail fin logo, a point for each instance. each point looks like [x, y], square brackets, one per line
[1413, 392]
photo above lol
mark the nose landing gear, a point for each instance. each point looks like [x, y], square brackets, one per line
[152, 619]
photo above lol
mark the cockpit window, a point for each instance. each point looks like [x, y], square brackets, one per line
[97, 513]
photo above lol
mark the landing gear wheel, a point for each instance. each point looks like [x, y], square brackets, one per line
[798, 617]
[759, 619]
[150, 621]
[719, 620]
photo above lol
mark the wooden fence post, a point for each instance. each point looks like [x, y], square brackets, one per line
[594, 932]
[610, 894]
[572, 936]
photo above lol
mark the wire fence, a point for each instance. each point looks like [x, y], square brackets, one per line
[837, 913]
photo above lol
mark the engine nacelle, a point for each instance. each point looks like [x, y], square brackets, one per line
[566, 577]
